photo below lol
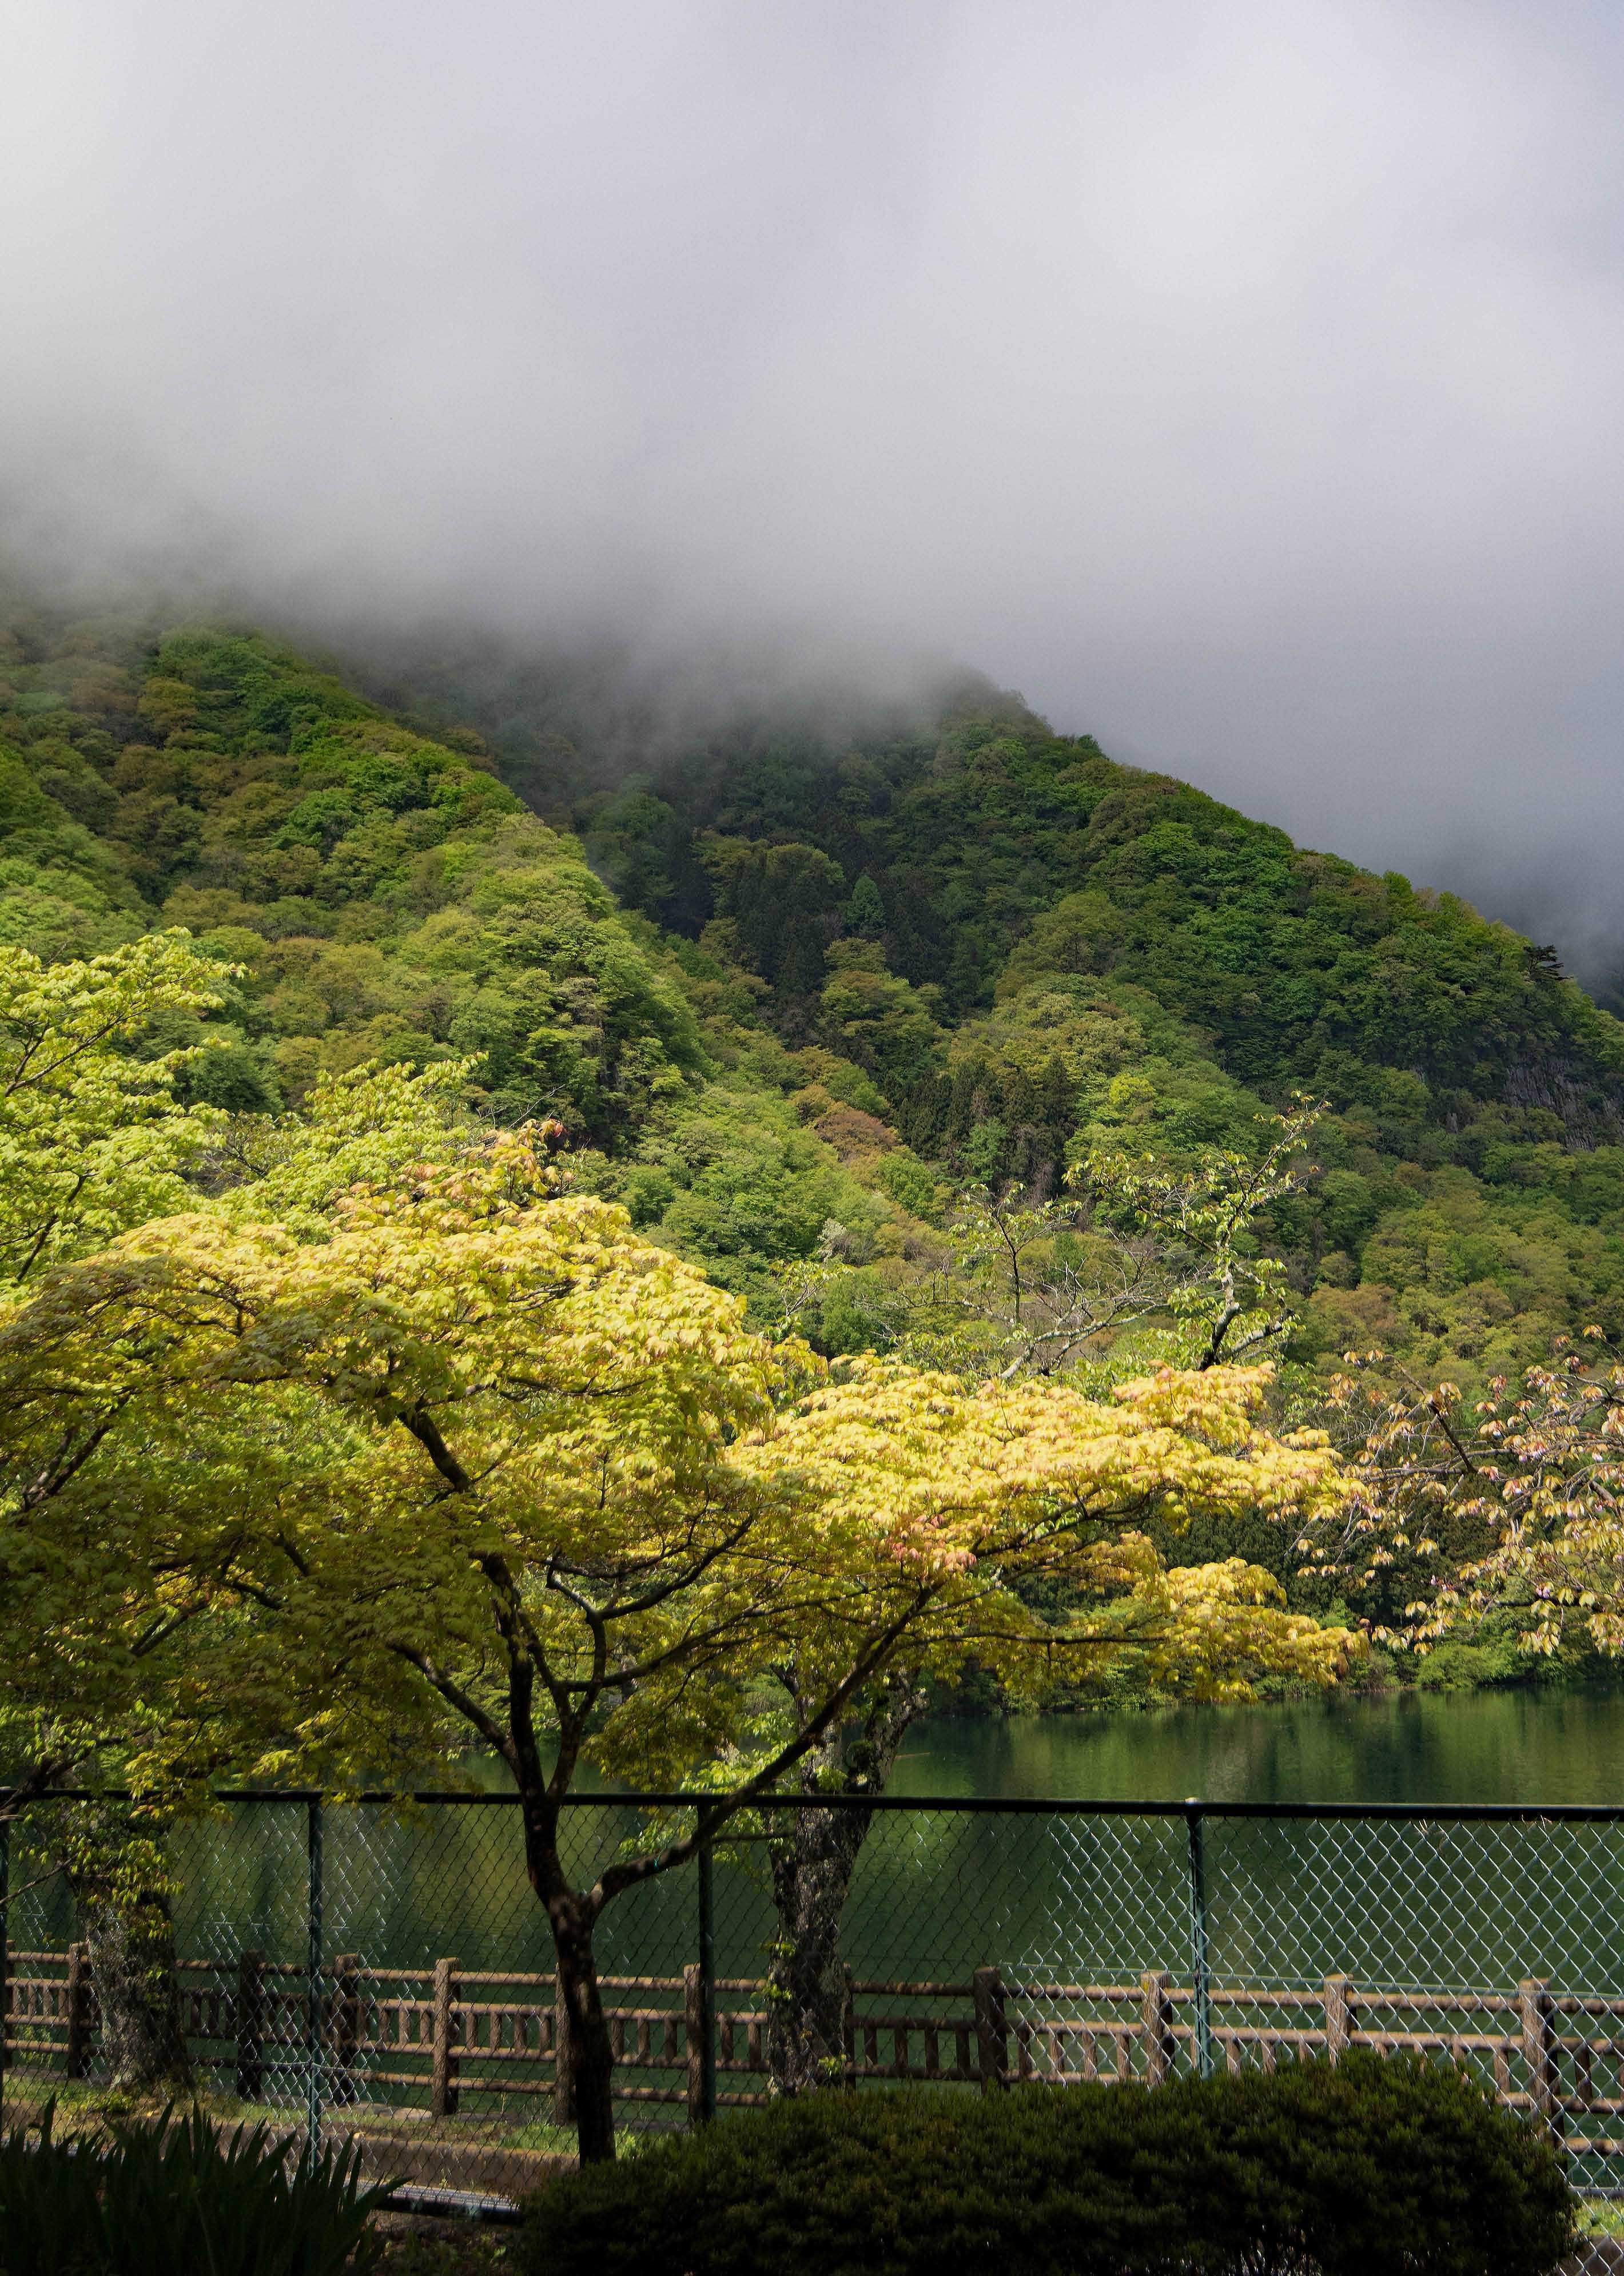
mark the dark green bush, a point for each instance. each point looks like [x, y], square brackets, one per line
[170, 2195]
[1368, 2167]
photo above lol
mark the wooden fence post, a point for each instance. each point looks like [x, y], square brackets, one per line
[848, 2029]
[347, 2026]
[1157, 2024]
[1539, 2053]
[1338, 2016]
[992, 2028]
[78, 2011]
[562, 2076]
[442, 2093]
[250, 2022]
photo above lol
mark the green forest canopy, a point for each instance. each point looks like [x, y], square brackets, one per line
[787, 991]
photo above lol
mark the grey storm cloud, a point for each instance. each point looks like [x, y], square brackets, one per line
[1244, 383]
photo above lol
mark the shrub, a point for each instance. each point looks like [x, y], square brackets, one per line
[165, 2195]
[1367, 2167]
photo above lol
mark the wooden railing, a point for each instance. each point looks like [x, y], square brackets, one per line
[445, 2039]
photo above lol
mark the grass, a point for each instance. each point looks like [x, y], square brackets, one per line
[83, 2104]
[541, 2134]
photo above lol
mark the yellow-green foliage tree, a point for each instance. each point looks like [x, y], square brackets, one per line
[299, 1474]
[92, 1138]
[92, 1142]
[124, 1472]
[933, 1505]
[95, 1491]
[117, 1475]
[1141, 1268]
[505, 1471]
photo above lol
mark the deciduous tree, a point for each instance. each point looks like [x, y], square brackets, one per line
[931, 1507]
[536, 1481]
[1511, 1502]
[1161, 1261]
[457, 1453]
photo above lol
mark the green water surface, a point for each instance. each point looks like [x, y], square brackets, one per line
[1523, 1746]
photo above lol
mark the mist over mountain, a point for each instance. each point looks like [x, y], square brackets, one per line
[1241, 385]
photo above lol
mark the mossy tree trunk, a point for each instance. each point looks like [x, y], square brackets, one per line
[115, 1866]
[808, 1992]
[132, 1954]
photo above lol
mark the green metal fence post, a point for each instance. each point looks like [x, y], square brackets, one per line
[1198, 1938]
[313, 1999]
[706, 2017]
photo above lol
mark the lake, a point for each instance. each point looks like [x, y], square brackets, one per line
[939, 1890]
[451, 1879]
[1527, 1745]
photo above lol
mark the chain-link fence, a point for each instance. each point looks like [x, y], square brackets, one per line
[381, 1969]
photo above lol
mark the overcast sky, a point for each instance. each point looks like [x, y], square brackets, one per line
[1244, 382]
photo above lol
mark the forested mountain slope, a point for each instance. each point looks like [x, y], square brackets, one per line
[390, 899]
[1023, 944]
[798, 988]
[998, 851]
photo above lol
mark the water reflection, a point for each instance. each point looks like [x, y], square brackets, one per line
[1494, 1745]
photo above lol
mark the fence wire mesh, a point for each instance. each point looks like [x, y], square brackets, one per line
[381, 1971]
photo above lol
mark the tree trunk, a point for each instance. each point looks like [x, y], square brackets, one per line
[584, 2056]
[808, 1998]
[809, 1995]
[588, 2054]
[132, 1952]
[113, 1862]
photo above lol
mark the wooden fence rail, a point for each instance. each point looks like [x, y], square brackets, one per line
[446, 2038]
